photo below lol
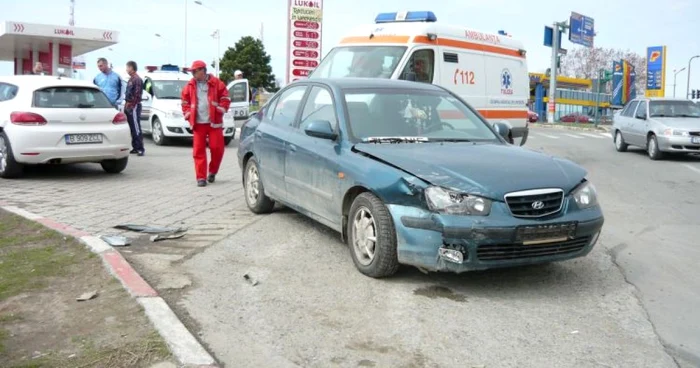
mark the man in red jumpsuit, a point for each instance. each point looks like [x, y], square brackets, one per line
[205, 100]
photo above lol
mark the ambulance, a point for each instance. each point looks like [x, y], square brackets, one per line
[161, 112]
[487, 70]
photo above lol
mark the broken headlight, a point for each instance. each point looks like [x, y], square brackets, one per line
[454, 203]
[585, 196]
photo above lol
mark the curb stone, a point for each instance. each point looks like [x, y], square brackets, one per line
[603, 128]
[184, 346]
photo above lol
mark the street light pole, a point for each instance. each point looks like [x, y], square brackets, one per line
[687, 89]
[675, 74]
[185, 49]
[217, 34]
[166, 41]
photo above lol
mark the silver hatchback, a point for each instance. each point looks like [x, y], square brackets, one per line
[659, 125]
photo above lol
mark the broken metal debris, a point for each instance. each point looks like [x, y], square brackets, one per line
[166, 236]
[251, 280]
[149, 229]
[87, 296]
[116, 240]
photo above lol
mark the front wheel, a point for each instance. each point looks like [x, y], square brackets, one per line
[254, 191]
[9, 168]
[653, 148]
[157, 133]
[115, 166]
[227, 140]
[372, 237]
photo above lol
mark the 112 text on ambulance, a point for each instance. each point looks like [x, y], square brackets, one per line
[464, 77]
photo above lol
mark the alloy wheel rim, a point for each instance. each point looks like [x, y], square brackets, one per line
[3, 154]
[156, 131]
[364, 236]
[652, 147]
[252, 185]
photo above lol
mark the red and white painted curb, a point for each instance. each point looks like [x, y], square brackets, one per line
[187, 350]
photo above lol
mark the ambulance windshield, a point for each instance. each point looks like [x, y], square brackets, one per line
[360, 61]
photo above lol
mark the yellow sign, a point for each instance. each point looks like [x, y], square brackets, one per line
[307, 14]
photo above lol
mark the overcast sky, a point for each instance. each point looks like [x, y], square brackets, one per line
[624, 24]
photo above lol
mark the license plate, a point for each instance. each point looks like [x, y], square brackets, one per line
[240, 112]
[695, 140]
[538, 234]
[83, 138]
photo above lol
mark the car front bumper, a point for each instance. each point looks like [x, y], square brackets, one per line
[679, 144]
[487, 242]
[182, 129]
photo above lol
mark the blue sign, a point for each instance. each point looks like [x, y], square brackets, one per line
[655, 67]
[582, 30]
[549, 37]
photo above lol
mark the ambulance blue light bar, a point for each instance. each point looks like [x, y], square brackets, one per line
[412, 16]
[169, 68]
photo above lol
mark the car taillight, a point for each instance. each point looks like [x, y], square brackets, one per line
[120, 118]
[27, 118]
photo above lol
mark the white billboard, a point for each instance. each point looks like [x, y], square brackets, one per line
[304, 28]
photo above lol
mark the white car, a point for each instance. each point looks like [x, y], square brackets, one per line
[52, 120]
[161, 114]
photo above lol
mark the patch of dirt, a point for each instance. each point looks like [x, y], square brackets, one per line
[41, 322]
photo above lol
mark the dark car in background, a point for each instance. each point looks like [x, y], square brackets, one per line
[409, 173]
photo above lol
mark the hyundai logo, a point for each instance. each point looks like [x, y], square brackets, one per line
[538, 205]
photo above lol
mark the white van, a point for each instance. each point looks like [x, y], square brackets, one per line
[488, 70]
[161, 114]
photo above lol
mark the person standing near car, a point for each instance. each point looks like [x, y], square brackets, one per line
[205, 100]
[132, 107]
[109, 82]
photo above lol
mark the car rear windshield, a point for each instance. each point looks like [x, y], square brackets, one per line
[71, 98]
[674, 109]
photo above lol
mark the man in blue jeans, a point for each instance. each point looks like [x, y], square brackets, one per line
[132, 107]
[109, 82]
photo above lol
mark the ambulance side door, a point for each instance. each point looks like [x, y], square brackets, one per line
[462, 72]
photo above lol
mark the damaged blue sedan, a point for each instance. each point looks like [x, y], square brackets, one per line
[410, 174]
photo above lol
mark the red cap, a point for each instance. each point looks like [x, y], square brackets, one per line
[198, 64]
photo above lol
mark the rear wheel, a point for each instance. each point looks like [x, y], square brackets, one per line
[620, 144]
[157, 133]
[9, 168]
[115, 166]
[372, 237]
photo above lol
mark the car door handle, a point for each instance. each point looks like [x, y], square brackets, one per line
[292, 147]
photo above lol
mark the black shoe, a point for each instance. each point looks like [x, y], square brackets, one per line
[211, 178]
[140, 153]
[133, 151]
[201, 183]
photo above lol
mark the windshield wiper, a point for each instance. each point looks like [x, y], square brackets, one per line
[687, 116]
[85, 106]
[394, 139]
[450, 140]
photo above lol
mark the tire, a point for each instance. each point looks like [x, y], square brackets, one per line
[9, 168]
[114, 166]
[369, 212]
[620, 144]
[157, 133]
[254, 190]
[653, 148]
[227, 140]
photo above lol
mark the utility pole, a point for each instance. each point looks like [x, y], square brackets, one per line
[217, 35]
[71, 20]
[551, 108]
[597, 94]
[687, 89]
[185, 49]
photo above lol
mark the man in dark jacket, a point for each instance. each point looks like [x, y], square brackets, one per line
[132, 107]
[205, 100]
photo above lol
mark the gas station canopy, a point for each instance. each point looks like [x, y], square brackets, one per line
[53, 45]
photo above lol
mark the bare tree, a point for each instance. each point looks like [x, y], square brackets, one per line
[582, 62]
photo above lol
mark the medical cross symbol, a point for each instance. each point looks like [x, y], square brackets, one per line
[505, 79]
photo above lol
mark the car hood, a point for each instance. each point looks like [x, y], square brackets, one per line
[167, 105]
[692, 124]
[489, 170]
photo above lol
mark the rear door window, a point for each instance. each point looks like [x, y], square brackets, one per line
[71, 98]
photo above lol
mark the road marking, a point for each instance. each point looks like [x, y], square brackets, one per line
[606, 135]
[574, 136]
[593, 135]
[549, 136]
[692, 168]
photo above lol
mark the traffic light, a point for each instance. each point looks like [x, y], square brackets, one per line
[607, 77]
[692, 95]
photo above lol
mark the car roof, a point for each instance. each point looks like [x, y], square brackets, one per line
[662, 99]
[352, 83]
[39, 81]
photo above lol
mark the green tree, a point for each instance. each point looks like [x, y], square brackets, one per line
[248, 56]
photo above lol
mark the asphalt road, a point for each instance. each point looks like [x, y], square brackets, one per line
[628, 304]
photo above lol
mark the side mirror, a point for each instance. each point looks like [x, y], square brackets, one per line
[145, 97]
[321, 129]
[503, 129]
[411, 76]
[643, 117]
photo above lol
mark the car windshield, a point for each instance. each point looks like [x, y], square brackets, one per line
[398, 115]
[673, 109]
[168, 89]
[73, 97]
[360, 61]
